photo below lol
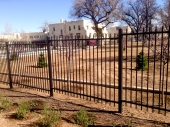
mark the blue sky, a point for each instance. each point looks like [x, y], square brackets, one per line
[29, 15]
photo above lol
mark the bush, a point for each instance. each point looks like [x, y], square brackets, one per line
[49, 117]
[5, 103]
[13, 56]
[22, 110]
[42, 61]
[83, 118]
[142, 61]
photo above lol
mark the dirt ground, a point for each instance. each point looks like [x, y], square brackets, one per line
[105, 115]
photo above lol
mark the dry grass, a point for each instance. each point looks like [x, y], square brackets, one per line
[92, 65]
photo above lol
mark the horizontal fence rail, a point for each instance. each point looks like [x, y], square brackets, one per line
[104, 70]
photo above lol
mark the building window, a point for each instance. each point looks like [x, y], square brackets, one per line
[89, 34]
[87, 27]
[74, 27]
[69, 28]
[71, 35]
[61, 32]
[36, 36]
[78, 27]
[78, 35]
[31, 37]
[61, 36]
[95, 35]
[53, 28]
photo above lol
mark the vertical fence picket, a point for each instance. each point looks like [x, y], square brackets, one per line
[49, 66]
[120, 69]
[167, 74]
[114, 78]
[126, 66]
[9, 68]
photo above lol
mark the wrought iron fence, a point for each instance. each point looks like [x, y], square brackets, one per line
[103, 70]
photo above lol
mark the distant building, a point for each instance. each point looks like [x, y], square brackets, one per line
[10, 37]
[73, 28]
[34, 36]
[114, 30]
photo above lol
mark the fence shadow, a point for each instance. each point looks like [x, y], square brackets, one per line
[33, 66]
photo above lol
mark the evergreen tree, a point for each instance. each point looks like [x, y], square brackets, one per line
[42, 61]
[142, 61]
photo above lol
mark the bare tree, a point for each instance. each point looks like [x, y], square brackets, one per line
[8, 29]
[165, 14]
[98, 11]
[44, 26]
[151, 9]
[22, 35]
[140, 14]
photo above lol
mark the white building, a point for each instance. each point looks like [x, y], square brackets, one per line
[73, 28]
[32, 36]
[10, 37]
[115, 29]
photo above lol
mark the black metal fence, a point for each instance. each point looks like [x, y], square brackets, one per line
[102, 70]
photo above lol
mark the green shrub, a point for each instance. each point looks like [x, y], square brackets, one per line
[42, 61]
[129, 121]
[22, 110]
[49, 117]
[5, 103]
[142, 61]
[33, 104]
[13, 56]
[83, 118]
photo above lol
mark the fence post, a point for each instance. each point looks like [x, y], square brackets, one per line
[120, 69]
[9, 68]
[49, 65]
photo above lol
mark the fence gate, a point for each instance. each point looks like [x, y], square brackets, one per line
[88, 68]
